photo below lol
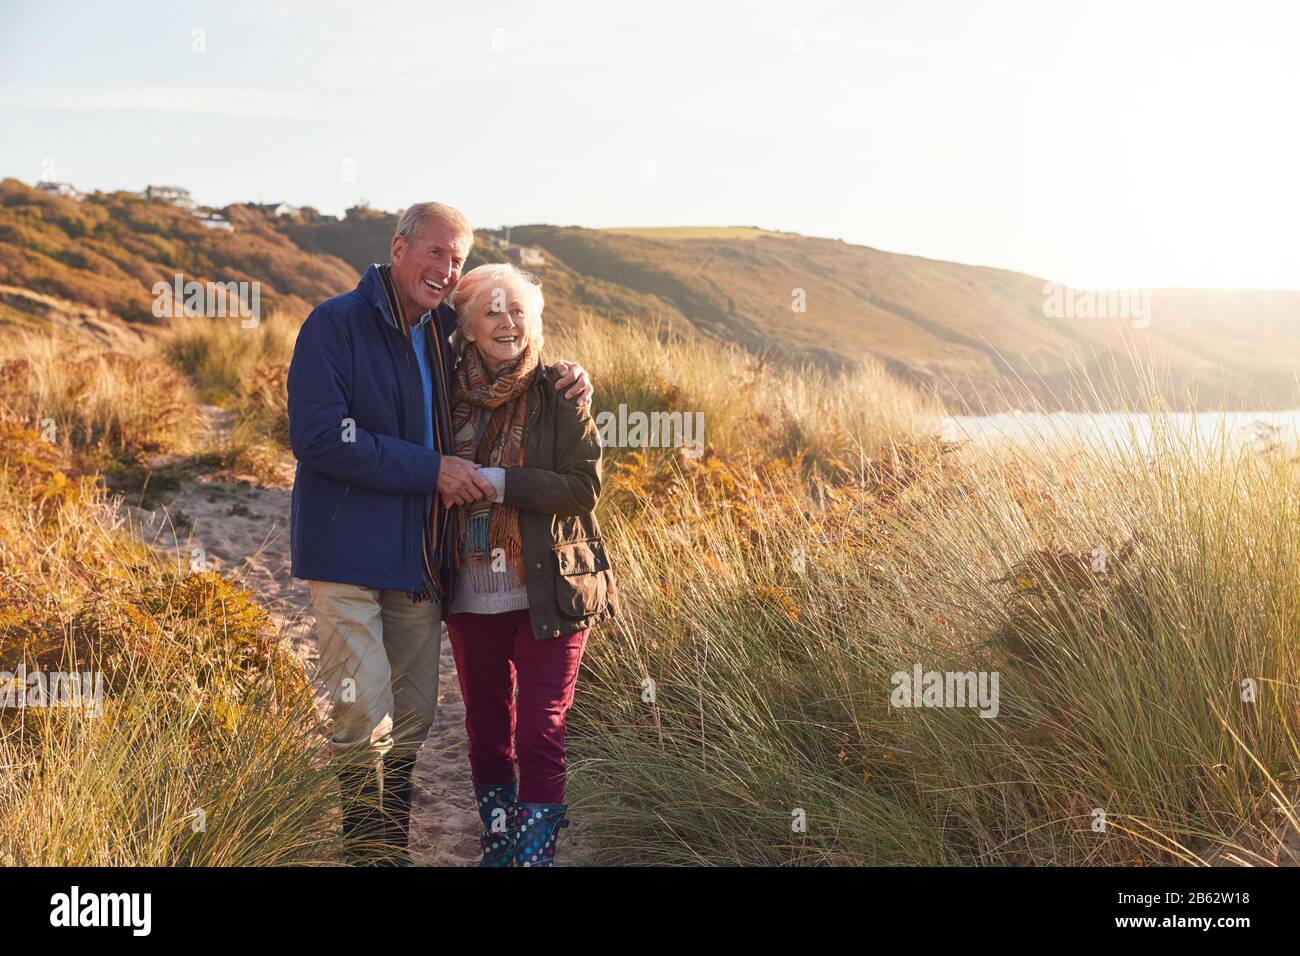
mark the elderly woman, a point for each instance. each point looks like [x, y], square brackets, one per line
[532, 575]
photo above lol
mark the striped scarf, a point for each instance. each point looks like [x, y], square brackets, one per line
[488, 422]
[435, 537]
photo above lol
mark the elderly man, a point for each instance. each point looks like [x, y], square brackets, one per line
[369, 424]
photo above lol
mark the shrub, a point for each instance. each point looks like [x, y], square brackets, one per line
[87, 399]
[206, 751]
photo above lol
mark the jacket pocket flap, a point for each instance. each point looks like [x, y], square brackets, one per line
[582, 557]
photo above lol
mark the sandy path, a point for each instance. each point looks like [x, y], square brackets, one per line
[243, 529]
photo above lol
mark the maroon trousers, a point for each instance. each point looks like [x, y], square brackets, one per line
[495, 653]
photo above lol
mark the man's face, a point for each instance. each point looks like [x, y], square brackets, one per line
[425, 269]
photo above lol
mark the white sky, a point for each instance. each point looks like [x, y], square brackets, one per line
[1098, 144]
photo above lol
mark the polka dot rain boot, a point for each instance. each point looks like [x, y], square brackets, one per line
[537, 825]
[496, 808]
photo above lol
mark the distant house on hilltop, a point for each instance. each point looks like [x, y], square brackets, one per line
[213, 221]
[529, 257]
[175, 195]
[66, 190]
[277, 208]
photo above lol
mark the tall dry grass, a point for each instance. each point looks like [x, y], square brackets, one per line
[242, 370]
[1124, 597]
[826, 425]
[205, 750]
[739, 711]
[222, 357]
[91, 401]
[205, 747]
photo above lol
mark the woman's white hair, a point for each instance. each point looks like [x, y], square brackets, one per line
[470, 290]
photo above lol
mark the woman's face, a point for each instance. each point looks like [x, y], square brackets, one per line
[503, 320]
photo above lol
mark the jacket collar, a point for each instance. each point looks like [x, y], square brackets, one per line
[371, 288]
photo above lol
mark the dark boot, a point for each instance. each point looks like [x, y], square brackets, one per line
[399, 783]
[537, 827]
[496, 808]
[363, 823]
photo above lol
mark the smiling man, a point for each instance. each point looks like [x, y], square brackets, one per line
[369, 424]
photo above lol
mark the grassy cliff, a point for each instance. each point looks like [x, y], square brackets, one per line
[977, 336]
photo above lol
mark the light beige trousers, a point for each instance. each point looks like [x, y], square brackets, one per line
[379, 663]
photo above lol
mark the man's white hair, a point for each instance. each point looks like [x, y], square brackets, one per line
[418, 216]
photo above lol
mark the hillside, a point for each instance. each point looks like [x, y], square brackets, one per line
[977, 335]
[108, 251]
[967, 330]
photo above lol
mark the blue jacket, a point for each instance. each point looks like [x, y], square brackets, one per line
[361, 496]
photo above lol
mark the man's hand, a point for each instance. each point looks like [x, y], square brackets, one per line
[571, 373]
[460, 483]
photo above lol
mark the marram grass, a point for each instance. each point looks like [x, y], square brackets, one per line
[1139, 607]
[204, 748]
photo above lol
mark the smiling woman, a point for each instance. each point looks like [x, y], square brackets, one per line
[532, 575]
[499, 310]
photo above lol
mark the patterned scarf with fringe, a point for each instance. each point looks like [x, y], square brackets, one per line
[488, 421]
